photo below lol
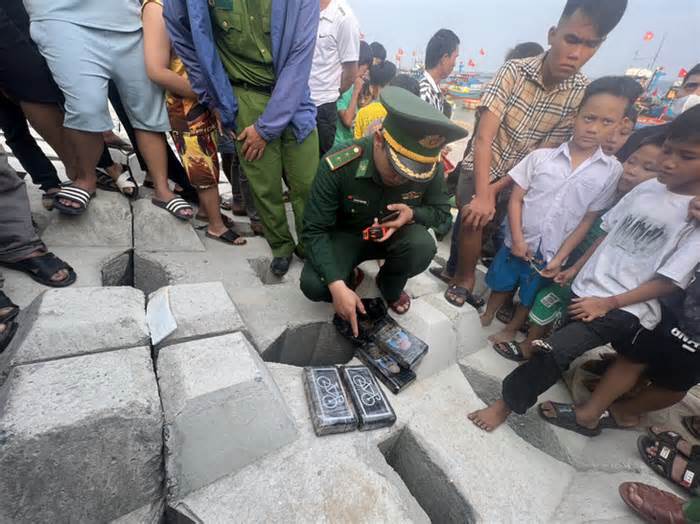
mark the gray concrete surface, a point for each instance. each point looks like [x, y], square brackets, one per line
[81, 438]
[157, 230]
[222, 408]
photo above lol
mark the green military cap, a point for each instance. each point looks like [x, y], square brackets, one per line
[415, 132]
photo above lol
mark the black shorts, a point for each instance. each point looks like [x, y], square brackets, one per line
[24, 75]
[671, 356]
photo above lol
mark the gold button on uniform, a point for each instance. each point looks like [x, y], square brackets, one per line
[211, 3]
[224, 23]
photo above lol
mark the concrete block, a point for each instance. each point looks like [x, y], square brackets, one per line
[222, 408]
[76, 321]
[465, 322]
[157, 230]
[199, 310]
[424, 284]
[106, 223]
[148, 514]
[81, 439]
[435, 329]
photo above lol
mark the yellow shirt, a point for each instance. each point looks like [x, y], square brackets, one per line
[369, 119]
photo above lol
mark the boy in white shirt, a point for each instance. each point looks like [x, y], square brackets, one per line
[557, 196]
[651, 249]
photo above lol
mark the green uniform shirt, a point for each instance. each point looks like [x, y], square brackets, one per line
[349, 198]
[242, 36]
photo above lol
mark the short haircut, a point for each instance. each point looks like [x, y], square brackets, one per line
[694, 71]
[444, 42]
[656, 139]
[378, 51]
[686, 126]
[620, 86]
[632, 114]
[407, 82]
[365, 54]
[381, 74]
[525, 50]
[605, 14]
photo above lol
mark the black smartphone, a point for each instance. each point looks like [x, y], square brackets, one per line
[388, 218]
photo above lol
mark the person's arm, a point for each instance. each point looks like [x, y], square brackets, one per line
[348, 39]
[573, 240]
[292, 82]
[347, 115]
[589, 308]
[566, 276]
[156, 48]
[348, 76]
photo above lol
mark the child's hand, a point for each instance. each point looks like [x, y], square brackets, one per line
[552, 269]
[520, 250]
[566, 276]
[589, 308]
[694, 210]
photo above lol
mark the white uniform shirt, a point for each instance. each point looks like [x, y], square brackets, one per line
[557, 197]
[338, 41]
[648, 234]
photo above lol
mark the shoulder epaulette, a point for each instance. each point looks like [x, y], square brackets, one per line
[343, 157]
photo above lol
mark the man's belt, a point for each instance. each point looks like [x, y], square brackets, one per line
[266, 90]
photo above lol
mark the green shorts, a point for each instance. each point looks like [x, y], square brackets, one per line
[550, 304]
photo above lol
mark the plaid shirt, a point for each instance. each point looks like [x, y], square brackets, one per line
[531, 116]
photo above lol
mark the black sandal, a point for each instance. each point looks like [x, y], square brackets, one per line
[565, 417]
[42, 268]
[176, 206]
[662, 462]
[5, 302]
[229, 238]
[689, 426]
[671, 438]
[73, 194]
[510, 351]
[6, 336]
[462, 292]
[437, 272]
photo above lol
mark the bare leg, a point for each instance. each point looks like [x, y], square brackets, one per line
[509, 332]
[653, 398]
[535, 332]
[491, 417]
[496, 301]
[209, 201]
[469, 253]
[88, 148]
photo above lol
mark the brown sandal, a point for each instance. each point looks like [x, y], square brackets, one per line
[657, 506]
[404, 300]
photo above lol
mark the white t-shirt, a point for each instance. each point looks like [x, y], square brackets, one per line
[338, 42]
[558, 197]
[648, 234]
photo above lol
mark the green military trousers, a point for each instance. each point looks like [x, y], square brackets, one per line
[407, 253]
[283, 155]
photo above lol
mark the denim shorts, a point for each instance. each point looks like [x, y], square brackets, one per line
[508, 273]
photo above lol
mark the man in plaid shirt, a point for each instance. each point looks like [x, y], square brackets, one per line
[530, 104]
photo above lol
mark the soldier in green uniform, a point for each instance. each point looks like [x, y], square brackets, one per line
[397, 169]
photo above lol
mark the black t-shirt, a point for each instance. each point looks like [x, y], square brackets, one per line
[684, 308]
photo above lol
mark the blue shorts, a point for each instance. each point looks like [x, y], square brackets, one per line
[508, 273]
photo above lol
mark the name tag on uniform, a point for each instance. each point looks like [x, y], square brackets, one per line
[356, 200]
[411, 195]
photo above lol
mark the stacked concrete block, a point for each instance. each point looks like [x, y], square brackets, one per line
[157, 230]
[198, 310]
[80, 439]
[469, 335]
[222, 408]
[76, 321]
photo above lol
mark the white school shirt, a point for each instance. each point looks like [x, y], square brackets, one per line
[648, 234]
[338, 41]
[557, 197]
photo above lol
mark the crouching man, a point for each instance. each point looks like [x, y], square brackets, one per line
[376, 200]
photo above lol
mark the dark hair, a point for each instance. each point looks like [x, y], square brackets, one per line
[378, 51]
[444, 42]
[605, 14]
[365, 54]
[620, 86]
[407, 82]
[656, 139]
[686, 126]
[632, 114]
[694, 71]
[382, 74]
[525, 50]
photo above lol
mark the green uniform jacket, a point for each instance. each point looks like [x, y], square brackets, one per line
[350, 197]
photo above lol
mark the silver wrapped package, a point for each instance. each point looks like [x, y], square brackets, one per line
[371, 405]
[329, 404]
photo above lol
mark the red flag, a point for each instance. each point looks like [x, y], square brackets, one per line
[471, 63]
[655, 93]
[682, 73]
[482, 52]
[648, 36]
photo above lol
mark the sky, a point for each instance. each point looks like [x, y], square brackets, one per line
[497, 25]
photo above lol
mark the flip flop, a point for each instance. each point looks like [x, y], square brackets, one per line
[73, 194]
[176, 206]
[6, 336]
[42, 268]
[657, 506]
[462, 292]
[510, 351]
[662, 462]
[505, 313]
[228, 222]
[565, 417]
[229, 238]
[404, 300]
[5, 302]
[437, 272]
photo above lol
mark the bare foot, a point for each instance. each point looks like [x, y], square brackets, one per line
[491, 417]
[623, 419]
[486, 320]
[505, 335]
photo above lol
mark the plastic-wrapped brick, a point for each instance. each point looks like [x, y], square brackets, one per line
[371, 405]
[385, 367]
[329, 404]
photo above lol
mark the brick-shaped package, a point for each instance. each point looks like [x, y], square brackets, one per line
[329, 404]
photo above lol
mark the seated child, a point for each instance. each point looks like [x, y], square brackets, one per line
[651, 249]
[551, 302]
[557, 195]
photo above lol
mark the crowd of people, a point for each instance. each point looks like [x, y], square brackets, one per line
[588, 227]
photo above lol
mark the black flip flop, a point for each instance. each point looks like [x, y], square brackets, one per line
[176, 206]
[227, 238]
[565, 417]
[437, 272]
[662, 462]
[462, 292]
[6, 336]
[42, 268]
[510, 351]
[5, 302]
[74, 194]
